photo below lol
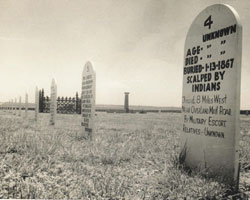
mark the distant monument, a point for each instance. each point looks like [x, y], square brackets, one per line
[53, 102]
[126, 102]
[36, 104]
[88, 99]
[211, 93]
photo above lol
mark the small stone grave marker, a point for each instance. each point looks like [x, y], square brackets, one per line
[53, 102]
[9, 106]
[12, 106]
[36, 104]
[211, 93]
[88, 99]
[15, 108]
[26, 105]
[20, 106]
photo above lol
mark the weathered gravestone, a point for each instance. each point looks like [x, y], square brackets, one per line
[211, 93]
[9, 106]
[36, 104]
[12, 106]
[26, 105]
[53, 102]
[88, 99]
[15, 108]
[20, 106]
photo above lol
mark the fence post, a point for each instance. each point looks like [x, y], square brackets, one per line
[78, 104]
[42, 101]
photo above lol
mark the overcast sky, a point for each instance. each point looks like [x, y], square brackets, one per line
[134, 45]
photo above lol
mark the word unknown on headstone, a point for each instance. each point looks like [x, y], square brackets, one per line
[211, 93]
[88, 99]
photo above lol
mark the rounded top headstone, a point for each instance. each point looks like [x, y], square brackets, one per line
[88, 68]
[211, 91]
[205, 21]
[53, 81]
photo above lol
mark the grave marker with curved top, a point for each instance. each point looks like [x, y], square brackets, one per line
[53, 102]
[211, 93]
[36, 104]
[26, 105]
[20, 106]
[88, 99]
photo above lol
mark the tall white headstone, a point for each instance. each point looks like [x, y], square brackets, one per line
[36, 104]
[88, 99]
[53, 102]
[26, 105]
[20, 106]
[211, 93]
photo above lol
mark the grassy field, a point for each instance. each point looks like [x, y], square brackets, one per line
[132, 156]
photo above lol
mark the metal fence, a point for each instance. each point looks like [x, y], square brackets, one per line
[65, 105]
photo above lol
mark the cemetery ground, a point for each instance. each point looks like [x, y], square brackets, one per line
[132, 156]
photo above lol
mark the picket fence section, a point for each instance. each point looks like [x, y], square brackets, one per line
[65, 105]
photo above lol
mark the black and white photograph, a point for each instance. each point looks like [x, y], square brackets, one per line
[125, 99]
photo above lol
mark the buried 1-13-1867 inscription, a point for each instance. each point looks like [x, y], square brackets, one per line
[211, 92]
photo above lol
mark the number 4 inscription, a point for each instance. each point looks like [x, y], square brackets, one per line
[208, 22]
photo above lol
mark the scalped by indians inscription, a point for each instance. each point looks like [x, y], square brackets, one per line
[211, 90]
[88, 98]
[208, 76]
